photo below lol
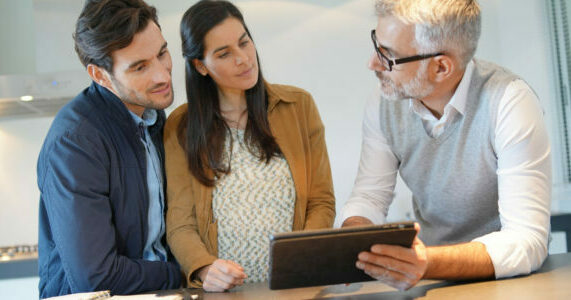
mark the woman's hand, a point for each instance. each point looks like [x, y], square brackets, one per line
[221, 275]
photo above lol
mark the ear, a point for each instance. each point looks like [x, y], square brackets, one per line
[200, 67]
[442, 68]
[99, 75]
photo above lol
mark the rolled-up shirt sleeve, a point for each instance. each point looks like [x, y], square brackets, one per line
[373, 190]
[524, 184]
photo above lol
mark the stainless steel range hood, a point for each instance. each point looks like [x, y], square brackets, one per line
[36, 57]
[39, 94]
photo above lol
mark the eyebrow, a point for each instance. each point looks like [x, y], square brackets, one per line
[225, 47]
[134, 64]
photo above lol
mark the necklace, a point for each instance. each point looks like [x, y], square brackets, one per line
[235, 122]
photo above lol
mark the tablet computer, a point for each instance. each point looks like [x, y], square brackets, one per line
[324, 257]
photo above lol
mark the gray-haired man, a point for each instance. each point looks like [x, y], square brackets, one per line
[469, 140]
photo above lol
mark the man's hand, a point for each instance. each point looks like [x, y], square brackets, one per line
[356, 221]
[396, 266]
[221, 275]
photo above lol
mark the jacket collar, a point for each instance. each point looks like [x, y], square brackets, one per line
[111, 105]
[275, 96]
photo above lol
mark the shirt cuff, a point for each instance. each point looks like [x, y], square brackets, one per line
[352, 209]
[512, 254]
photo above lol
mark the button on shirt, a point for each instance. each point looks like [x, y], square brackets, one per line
[524, 173]
[154, 249]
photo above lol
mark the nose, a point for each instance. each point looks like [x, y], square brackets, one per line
[241, 57]
[375, 64]
[163, 71]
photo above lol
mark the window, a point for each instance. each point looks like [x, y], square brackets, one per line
[559, 15]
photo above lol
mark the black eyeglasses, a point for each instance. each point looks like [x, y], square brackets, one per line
[389, 63]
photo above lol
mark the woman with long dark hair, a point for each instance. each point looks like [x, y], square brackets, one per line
[244, 158]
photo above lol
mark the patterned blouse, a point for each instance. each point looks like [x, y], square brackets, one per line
[251, 202]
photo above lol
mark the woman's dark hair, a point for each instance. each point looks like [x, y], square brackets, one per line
[203, 130]
[105, 26]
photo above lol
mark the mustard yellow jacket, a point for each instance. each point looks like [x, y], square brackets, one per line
[299, 132]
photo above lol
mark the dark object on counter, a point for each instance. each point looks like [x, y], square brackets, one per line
[562, 222]
[324, 257]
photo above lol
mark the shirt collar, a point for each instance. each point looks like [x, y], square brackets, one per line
[148, 119]
[460, 97]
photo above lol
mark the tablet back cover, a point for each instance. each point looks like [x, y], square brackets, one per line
[313, 260]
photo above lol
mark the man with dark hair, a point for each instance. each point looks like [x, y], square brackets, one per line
[100, 170]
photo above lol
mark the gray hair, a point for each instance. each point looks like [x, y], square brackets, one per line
[450, 26]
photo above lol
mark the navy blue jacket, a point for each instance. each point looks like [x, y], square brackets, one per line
[94, 201]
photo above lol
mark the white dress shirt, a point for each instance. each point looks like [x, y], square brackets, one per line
[521, 145]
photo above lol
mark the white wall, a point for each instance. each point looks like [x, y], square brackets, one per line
[17, 26]
[322, 46]
[55, 23]
[20, 143]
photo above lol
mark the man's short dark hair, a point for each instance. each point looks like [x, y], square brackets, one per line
[105, 26]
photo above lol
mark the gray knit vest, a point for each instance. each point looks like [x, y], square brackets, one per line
[452, 177]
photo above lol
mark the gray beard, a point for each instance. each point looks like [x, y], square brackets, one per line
[417, 88]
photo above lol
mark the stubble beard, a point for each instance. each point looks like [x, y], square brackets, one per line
[135, 98]
[417, 88]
